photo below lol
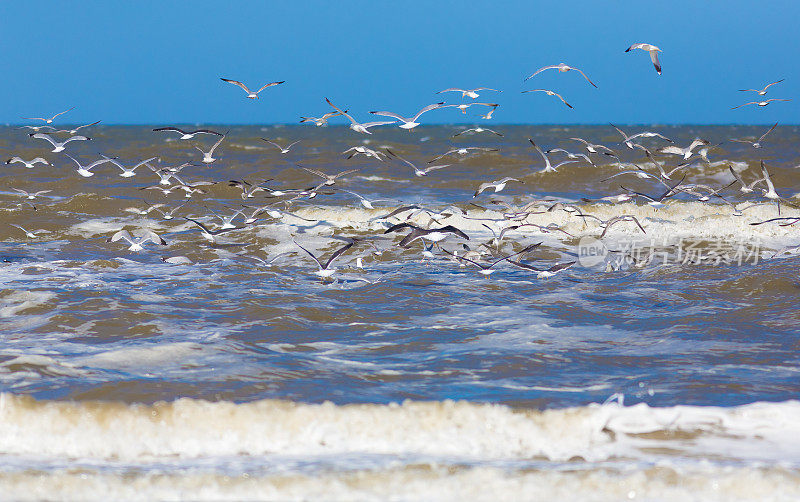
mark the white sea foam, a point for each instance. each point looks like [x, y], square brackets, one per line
[413, 451]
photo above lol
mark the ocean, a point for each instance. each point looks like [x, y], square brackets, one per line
[651, 358]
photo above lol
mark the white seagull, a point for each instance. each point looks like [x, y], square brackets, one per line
[208, 157]
[549, 168]
[362, 128]
[761, 103]
[186, 134]
[417, 170]
[127, 173]
[652, 49]
[284, 150]
[410, 122]
[29, 235]
[550, 93]
[86, 171]
[472, 93]
[28, 164]
[497, 185]
[320, 121]
[136, 245]
[50, 120]
[476, 130]
[685, 152]
[58, 146]
[250, 94]
[762, 92]
[561, 67]
[30, 195]
[326, 270]
[756, 143]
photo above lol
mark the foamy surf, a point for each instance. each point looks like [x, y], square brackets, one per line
[411, 451]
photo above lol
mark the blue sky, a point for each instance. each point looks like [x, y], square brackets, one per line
[160, 62]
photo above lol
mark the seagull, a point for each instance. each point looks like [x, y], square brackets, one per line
[279, 147]
[487, 269]
[762, 92]
[210, 235]
[50, 120]
[591, 147]
[570, 155]
[463, 107]
[76, 129]
[227, 221]
[326, 271]
[29, 235]
[761, 103]
[685, 152]
[417, 170]
[476, 130]
[432, 234]
[472, 93]
[320, 121]
[464, 151]
[561, 67]
[757, 143]
[656, 201]
[410, 122]
[330, 179]
[652, 49]
[544, 273]
[208, 157]
[38, 128]
[363, 150]
[136, 245]
[30, 195]
[250, 94]
[86, 171]
[28, 164]
[362, 128]
[548, 168]
[628, 140]
[187, 134]
[127, 173]
[550, 93]
[58, 146]
[497, 185]
[745, 188]
[605, 225]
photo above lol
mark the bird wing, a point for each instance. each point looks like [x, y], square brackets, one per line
[765, 134]
[236, 82]
[338, 252]
[340, 111]
[269, 85]
[542, 69]
[41, 135]
[310, 254]
[584, 76]
[451, 89]
[393, 115]
[656, 63]
[428, 108]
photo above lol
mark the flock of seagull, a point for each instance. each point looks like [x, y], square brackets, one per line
[668, 180]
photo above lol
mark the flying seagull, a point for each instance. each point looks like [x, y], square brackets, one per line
[561, 67]
[326, 270]
[410, 122]
[763, 91]
[362, 128]
[250, 94]
[761, 103]
[472, 93]
[756, 143]
[58, 146]
[652, 49]
[187, 134]
[50, 120]
[550, 93]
